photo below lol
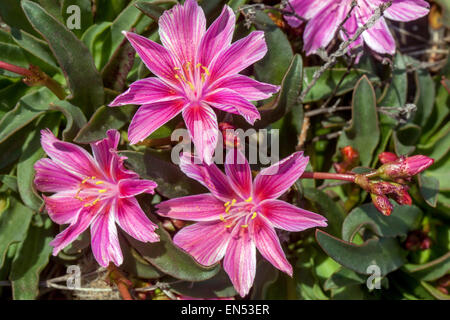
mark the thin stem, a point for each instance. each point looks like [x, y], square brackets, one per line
[122, 283]
[19, 70]
[329, 176]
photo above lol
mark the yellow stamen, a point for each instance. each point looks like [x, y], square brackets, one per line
[233, 202]
[191, 85]
[254, 215]
[198, 65]
[227, 209]
[176, 68]
[93, 178]
[228, 226]
[206, 70]
[226, 204]
[99, 182]
[221, 218]
[85, 180]
[249, 199]
[177, 77]
[102, 190]
[244, 226]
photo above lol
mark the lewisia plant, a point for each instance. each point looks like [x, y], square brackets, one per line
[196, 69]
[93, 191]
[239, 215]
[326, 16]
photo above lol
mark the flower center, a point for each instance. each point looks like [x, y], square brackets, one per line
[238, 212]
[192, 77]
[92, 190]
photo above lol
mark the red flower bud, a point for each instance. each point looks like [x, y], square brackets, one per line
[402, 197]
[405, 168]
[350, 159]
[386, 157]
[382, 204]
[417, 239]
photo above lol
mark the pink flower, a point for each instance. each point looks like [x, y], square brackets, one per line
[325, 17]
[405, 167]
[93, 191]
[196, 69]
[239, 215]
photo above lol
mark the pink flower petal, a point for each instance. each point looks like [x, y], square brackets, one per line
[239, 56]
[240, 261]
[306, 9]
[206, 251]
[50, 177]
[246, 87]
[407, 10]
[273, 181]
[102, 150]
[104, 240]
[285, 216]
[181, 30]
[230, 101]
[157, 58]
[72, 232]
[208, 175]
[201, 122]
[201, 207]
[133, 221]
[321, 29]
[69, 156]
[379, 38]
[268, 244]
[150, 117]
[239, 173]
[62, 207]
[133, 187]
[146, 91]
[218, 36]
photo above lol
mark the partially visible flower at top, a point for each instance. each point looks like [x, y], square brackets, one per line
[93, 191]
[386, 157]
[404, 167]
[239, 215]
[325, 17]
[196, 69]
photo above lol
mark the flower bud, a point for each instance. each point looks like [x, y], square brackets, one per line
[402, 196]
[404, 168]
[350, 159]
[387, 157]
[382, 204]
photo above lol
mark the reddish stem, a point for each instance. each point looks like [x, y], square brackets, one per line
[16, 69]
[328, 176]
[123, 284]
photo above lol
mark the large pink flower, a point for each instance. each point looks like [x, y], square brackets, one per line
[239, 215]
[93, 191]
[325, 17]
[196, 69]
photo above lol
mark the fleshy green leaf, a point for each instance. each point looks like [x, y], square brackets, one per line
[429, 189]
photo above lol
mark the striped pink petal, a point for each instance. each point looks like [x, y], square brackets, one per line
[379, 38]
[150, 117]
[407, 10]
[50, 177]
[132, 187]
[239, 173]
[146, 91]
[240, 262]
[133, 221]
[206, 252]
[181, 30]
[273, 181]
[306, 9]
[201, 122]
[62, 207]
[288, 217]
[201, 207]
[268, 244]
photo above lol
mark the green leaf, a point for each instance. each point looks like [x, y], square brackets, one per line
[218, 286]
[14, 222]
[327, 207]
[287, 99]
[149, 9]
[158, 166]
[430, 271]
[32, 153]
[364, 132]
[396, 93]
[29, 108]
[343, 278]
[102, 120]
[402, 220]
[434, 292]
[74, 116]
[266, 275]
[8, 182]
[406, 138]
[32, 257]
[12, 54]
[72, 55]
[386, 253]
[425, 97]
[429, 189]
[12, 14]
[272, 68]
[327, 83]
[169, 259]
